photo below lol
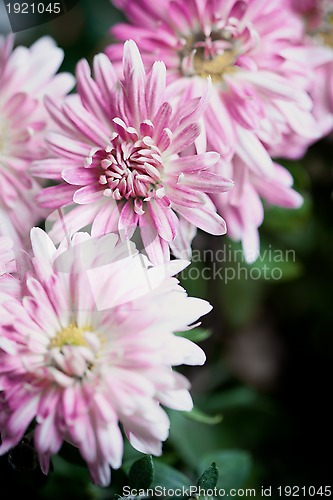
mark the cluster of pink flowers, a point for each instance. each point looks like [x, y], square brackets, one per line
[257, 55]
[179, 128]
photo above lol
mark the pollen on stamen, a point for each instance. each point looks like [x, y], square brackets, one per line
[71, 335]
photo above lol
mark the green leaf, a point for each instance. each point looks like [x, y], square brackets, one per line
[233, 465]
[235, 398]
[168, 477]
[196, 335]
[131, 455]
[209, 478]
[199, 416]
[192, 439]
[141, 474]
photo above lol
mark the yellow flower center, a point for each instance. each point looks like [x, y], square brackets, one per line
[215, 67]
[209, 58]
[71, 335]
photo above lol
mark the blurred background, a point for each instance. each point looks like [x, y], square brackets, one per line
[263, 397]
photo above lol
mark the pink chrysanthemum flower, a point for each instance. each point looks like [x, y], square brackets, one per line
[79, 368]
[26, 75]
[259, 96]
[318, 18]
[118, 157]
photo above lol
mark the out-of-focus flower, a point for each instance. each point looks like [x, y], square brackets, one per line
[259, 104]
[118, 157]
[79, 369]
[26, 76]
[317, 16]
[313, 11]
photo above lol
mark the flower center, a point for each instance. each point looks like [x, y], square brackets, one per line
[326, 32]
[212, 55]
[214, 67]
[74, 352]
[128, 169]
[71, 335]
